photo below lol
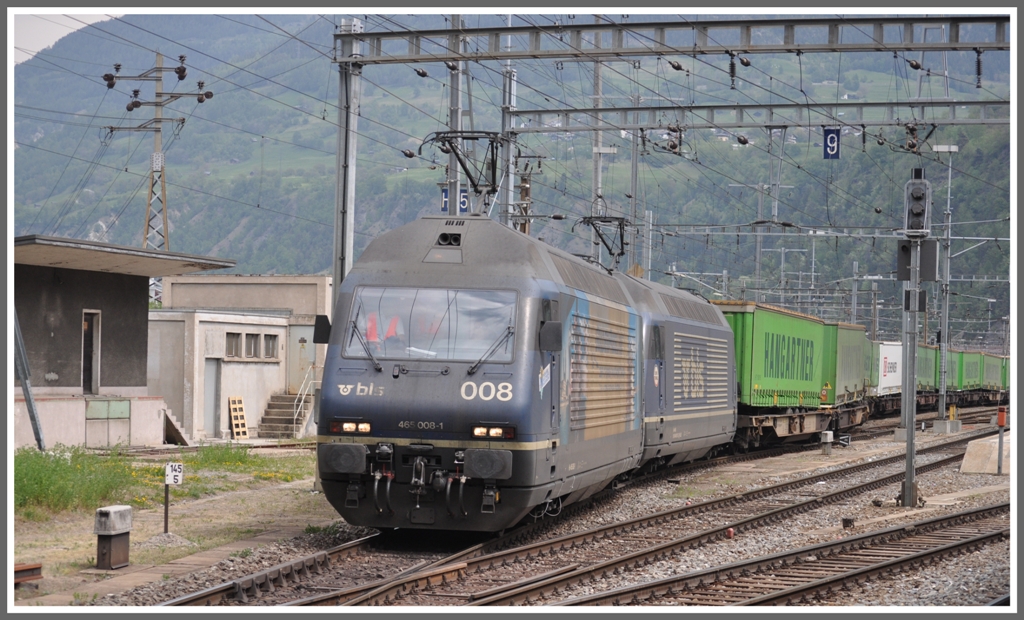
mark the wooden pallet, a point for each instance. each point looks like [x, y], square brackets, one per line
[239, 427]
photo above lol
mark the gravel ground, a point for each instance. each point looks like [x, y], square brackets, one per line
[968, 580]
[260, 558]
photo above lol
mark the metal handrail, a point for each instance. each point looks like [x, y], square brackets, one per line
[308, 387]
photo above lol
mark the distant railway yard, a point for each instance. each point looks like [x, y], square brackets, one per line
[790, 527]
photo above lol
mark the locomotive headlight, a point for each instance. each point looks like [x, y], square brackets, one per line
[495, 432]
[337, 426]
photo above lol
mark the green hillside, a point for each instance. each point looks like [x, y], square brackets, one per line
[251, 172]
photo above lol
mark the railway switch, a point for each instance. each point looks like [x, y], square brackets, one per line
[112, 528]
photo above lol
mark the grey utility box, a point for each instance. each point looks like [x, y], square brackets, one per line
[113, 528]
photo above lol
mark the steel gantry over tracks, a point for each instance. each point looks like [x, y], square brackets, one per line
[686, 38]
[585, 42]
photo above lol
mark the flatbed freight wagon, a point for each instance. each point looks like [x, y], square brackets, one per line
[780, 373]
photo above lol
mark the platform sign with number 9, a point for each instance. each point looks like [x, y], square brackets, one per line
[831, 146]
[174, 473]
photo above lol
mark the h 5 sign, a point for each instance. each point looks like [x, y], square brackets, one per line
[463, 200]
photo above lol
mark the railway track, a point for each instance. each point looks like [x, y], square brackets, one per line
[814, 574]
[145, 452]
[275, 582]
[501, 573]
[764, 507]
[889, 425]
[519, 575]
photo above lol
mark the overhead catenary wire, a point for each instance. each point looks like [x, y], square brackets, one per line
[706, 171]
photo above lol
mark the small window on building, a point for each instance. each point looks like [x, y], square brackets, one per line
[233, 346]
[270, 346]
[252, 345]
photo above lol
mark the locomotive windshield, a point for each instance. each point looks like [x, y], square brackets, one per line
[430, 324]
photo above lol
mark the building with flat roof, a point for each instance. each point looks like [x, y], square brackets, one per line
[232, 338]
[83, 311]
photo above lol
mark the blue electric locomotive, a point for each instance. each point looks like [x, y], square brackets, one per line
[475, 376]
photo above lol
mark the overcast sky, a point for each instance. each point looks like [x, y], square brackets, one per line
[36, 32]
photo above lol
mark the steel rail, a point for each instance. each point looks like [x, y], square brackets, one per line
[662, 550]
[829, 551]
[413, 583]
[456, 564]
[265, 580]
[800, 593]
[475, 556]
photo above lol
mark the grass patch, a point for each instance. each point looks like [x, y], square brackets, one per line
[66, 479]
[686, 492]
[74, 479]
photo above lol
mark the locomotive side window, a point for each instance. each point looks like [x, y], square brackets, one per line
[431, 324]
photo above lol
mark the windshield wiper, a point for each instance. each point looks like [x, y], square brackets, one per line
[494, 347]
[366, 347]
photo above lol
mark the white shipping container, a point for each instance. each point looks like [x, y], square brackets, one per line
[890, 369]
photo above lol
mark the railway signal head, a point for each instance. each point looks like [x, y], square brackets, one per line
[917, 199]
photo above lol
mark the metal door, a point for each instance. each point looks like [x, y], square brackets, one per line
[301, 355]
[211, 400]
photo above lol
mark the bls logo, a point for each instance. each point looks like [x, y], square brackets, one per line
[361, 390]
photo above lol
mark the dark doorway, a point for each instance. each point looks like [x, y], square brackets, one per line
[90, 351]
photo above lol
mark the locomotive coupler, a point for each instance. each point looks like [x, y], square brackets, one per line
[489, 498]
[419, 476]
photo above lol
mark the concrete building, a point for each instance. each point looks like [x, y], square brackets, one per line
[249, 337]
[200, 359]
[83, 310]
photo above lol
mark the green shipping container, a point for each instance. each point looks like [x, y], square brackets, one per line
[991, 371]
[927, 358]
[847, 358]
[952, 370]
[779, 355]
[1006, 373]
[970, 370]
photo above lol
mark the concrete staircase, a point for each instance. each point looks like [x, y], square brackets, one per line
[277, 422]
[173, 432]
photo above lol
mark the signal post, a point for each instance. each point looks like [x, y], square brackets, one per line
[917, 202]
